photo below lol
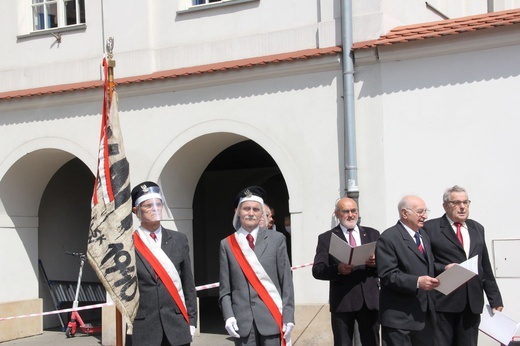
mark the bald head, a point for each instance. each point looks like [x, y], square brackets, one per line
[413, 212]
[346, 212]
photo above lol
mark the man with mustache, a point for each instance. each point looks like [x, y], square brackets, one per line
[256, 291]
[353, 291]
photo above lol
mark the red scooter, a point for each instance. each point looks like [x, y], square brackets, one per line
[75, 318]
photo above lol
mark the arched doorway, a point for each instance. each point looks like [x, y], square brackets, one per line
[64, 221]
[45, 209]
[240, 165]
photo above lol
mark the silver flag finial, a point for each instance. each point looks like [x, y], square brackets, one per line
[110, 47]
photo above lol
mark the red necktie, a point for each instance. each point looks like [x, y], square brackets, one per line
[154, 237]
[351, 238]
[418, 242]
[459, 233]
[251, 241]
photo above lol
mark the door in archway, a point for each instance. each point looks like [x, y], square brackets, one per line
[240, 165]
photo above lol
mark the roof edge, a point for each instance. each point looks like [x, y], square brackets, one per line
[176, 73]
[442, 28]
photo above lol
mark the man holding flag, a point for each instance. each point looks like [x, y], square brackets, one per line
[167, 314]
[256, 289]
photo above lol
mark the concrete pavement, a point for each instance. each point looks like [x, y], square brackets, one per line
[312, 329]
[58, 338]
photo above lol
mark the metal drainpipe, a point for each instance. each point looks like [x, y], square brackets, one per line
[351, 182]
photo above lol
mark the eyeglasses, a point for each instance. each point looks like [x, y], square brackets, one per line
[149, 206]
[346, 211]
[420, 212]
[459, 203]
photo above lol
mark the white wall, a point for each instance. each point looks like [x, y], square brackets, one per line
[432, 122]
[294, 117]
[155, 36]
[409, 111]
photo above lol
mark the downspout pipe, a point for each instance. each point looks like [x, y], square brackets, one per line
[351, 180]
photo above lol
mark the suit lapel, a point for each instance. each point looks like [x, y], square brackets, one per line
[448, 232]
[473, 235]
[410, 243]
[261, 242]
[166, 242]
[337, 231]
[363, 235]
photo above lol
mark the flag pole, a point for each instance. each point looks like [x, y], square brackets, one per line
[111, 64]
[111, 84]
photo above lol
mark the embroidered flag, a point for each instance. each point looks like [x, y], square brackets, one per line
[111, 251]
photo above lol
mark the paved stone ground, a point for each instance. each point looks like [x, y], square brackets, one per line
[58, 338]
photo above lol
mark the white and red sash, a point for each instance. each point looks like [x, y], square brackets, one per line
[258, 278]
[163, 266]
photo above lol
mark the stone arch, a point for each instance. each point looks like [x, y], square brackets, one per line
[215, 136]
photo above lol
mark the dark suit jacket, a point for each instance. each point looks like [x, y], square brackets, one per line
[157, 311]
[399, 265]
[237, 297]
[447, 249]
[347, 293]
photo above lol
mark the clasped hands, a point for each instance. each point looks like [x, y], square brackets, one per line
[232, 328]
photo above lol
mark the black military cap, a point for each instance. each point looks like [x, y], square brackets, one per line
[251, 190]
[147, 187]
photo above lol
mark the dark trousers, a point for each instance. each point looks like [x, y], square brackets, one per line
[401, 337]
[164, 342]
[256, 339]
[457, 329]
[343, 327]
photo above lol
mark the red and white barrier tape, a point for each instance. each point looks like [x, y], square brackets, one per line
[207, 287]
[88, 307]
[95, 306]
[302, 266]
[216, 284]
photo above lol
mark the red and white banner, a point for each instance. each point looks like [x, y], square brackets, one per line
[111, 250]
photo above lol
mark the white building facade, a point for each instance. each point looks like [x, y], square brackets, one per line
[217, 96]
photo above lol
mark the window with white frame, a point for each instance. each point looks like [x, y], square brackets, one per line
[202, 2]
[201, 5]
[48, 14]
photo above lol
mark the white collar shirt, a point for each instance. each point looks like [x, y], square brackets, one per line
[243, 233]
[158, 233]
[465, 234]
[355, 234]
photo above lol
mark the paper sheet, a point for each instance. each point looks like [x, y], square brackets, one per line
[457, 275]
[497, 325]
[345, 253]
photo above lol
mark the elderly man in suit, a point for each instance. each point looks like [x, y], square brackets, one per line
[405, 268]
[167, 313]
[456, 238]
[353, 291]
[256, 290]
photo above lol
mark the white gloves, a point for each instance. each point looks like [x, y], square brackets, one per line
[232, 327]
[287, 329]
[192, 331]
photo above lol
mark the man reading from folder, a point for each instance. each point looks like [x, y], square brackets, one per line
[353, 291]
[256, 290]
[455, 238]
